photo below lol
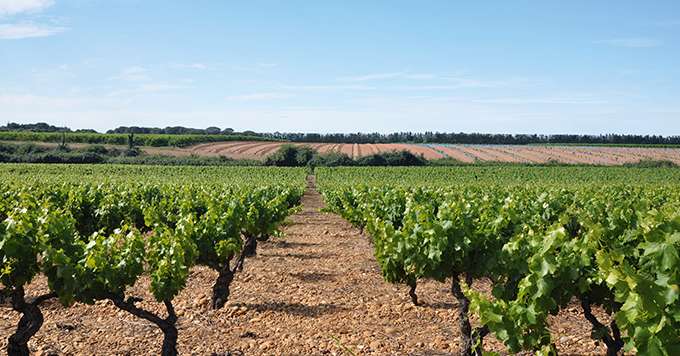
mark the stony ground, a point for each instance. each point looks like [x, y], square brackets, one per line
[315, 291]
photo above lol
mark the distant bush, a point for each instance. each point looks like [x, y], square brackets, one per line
[132, 152]
[448, 161]
[290, 156]
[103, 150]
[53, 157]
[300, 156]
[331, 159]
[392, 158]
[649, 163]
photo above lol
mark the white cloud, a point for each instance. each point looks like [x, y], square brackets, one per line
[259, 67]
[387, 76]
[147, 88]
[373, 76]
[259, 96]
[327, 87]
[542, 100]
[632, 42]
[13, 7]
[197, 66]
[27, 30]
[133, 74]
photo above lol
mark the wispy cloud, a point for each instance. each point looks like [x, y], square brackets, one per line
[387, 76]
[22, 27]
[133, 74]
[632, 42]
[147, 88]
[27, 30]
[542, 100]
[327, 87]
[258, 67]
[259, 96]
[14, 7]
[197, 66]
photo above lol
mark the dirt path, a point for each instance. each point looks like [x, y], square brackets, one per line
[315, 291]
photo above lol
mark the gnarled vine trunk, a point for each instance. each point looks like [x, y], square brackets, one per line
[31, 321]
[610, 336]
[221, 287]
[471, 340]
[250, 246]
[412, 292]
[168, 325]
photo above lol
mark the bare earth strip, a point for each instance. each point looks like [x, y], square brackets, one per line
[554, 154]
[371, 149]
[602, 157]
[479, 155]
[501, 155]
[427, 152]
[523, 155]
[215, 148]
[456, 153]
[317, 284]
[266, 150]
[347, 149]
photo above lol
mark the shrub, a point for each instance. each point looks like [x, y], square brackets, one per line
[650, 163]
[290, 156]
[392, 158]
[331, 159]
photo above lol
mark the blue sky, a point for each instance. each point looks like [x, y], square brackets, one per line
[344, 66]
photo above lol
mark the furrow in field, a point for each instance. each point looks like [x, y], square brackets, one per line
[426, 152]
[478, 154]
[560, 155]
[455, 153]
[501, 155]
[214, 148]
[262, 150]
[242, 149]
[347, 148]
[371, 149]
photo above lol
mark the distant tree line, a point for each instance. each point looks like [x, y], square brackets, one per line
[396, 137]
[175, 130]
[476, 138]
[37, 127]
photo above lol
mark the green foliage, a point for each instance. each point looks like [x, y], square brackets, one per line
[393, 158]
[155, 140]
[290, 156]
[93, 231]
[543, 236]
[652, 164]
[331, 159]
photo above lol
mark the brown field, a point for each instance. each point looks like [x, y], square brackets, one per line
[463, 153]
[596, 155]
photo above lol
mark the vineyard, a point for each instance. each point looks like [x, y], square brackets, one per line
[94, 237]
[543, 239]
[240, 260]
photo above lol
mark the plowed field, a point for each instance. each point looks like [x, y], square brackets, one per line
[464, 153]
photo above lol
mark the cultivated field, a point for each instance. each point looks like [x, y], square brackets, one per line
[464, 153]
[118, 259]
